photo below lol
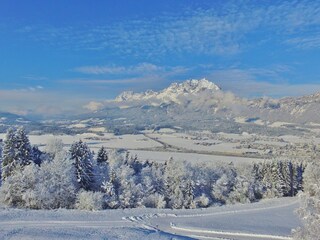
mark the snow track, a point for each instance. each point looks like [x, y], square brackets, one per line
[229, 235]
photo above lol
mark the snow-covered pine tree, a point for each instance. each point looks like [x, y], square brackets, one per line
[8, 152]
[299, 177]
[189, 194]
[102, 156]
[17, 151]
[37, 155]
[23, 150]
[82, 157]
[256, 180]
[173, 182]
[111, 189]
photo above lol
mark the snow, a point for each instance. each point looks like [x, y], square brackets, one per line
[279, 124]
[170, 94]
[268, 219]
[94, 141]
[191, 157]
[78, 125]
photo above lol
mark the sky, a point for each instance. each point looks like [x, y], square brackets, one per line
[57, 55]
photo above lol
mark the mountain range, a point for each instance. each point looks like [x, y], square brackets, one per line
[203, 99]
[193, 104]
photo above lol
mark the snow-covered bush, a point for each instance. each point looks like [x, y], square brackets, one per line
[202, 201]
[155, 200]
[92, 201]
[18, 188]
[243, 192]
[47, 187]
[56, 183]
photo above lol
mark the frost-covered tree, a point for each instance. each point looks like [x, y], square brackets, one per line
[102, 156]
[18, 190]
[130, 191]
[173, 182]
[56, 183]
[47, 187]
[188, 190]
[82, 157]
[54, 146]
[23, 150]
[8, 162]
[225, 184]
[310, 204]
[17, 151]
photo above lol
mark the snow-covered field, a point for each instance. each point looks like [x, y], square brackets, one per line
[158, 146]
[191, 157]
[268, 219]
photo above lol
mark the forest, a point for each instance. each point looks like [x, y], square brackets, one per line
[79, 178]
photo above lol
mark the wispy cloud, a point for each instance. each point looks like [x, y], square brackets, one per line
[141, 68]
[108, 81]
[309, 42]
[139, 75]
[34, 78]
[213, 31]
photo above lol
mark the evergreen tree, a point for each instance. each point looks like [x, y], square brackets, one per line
[37, 155]
[8, 152]
[82, 158]
[17, 151]
[23, 153]
[102, 156]
[189, 194]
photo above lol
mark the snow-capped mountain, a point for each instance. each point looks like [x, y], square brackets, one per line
[173, 93]
[202, 104]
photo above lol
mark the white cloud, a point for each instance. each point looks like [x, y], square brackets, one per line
[93, 106]
[29, 101]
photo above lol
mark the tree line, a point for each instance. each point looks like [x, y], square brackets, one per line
[79, 178]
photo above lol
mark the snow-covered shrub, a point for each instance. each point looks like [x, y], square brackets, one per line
[47, 187]
[202, 201]
[154, 201]
[18, 188]
[243, 192]
[92, 201]
[225, 184]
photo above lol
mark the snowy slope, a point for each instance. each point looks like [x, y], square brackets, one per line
[269, 219]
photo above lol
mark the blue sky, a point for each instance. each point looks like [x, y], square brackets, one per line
[56, 56]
